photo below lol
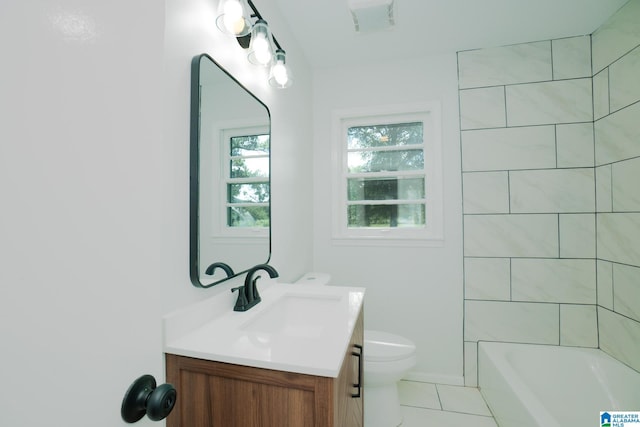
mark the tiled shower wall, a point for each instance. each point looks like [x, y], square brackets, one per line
[616, 83]
[543, 261]
[528, 195]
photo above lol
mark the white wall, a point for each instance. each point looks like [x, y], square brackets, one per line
[94, 193]
[413, 291]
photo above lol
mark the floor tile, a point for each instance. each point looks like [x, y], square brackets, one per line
[423, 395]
[462, 399]
[419, 417]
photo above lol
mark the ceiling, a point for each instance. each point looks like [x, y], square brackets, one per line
[427, 27]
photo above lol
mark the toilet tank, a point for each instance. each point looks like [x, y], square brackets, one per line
[314, 279]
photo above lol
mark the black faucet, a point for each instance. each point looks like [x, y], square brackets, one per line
[220, 265]
[248, 294]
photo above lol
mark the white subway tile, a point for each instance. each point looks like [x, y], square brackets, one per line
[601, 94]
[575, 145]
[604, 196]
[578, 325]
[482, 108]
[527, 62]
[511, 235]
[625, 185]
[487, 278]
[554, 280]
[471, 364]
[620, 337]
[565, 101]
[605, 284]
[624, 80]
[618, 35]
[577, 235]
[509, 149]
[486, 192]
[554, 190]
[617, 135]
[512, 322]
[626, 290]
[618, 237]
[571, 57]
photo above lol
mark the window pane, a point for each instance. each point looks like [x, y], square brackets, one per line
[386, 215]
[384, 135]
[248, 193]
[379, 161]
[250, 167]
[249, 145]
[257, 216]
[385, 188]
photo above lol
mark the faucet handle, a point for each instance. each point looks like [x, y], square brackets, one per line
[256, 295]
[241, 302]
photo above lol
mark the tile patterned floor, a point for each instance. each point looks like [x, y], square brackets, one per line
[428, 405]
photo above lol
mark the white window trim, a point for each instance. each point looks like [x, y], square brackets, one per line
[220, 228]
[432, 234]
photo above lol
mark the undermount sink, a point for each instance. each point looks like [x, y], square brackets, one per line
[297, 315]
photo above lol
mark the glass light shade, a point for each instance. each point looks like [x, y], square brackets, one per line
[260, 50]
[233, 18]
[280, 74]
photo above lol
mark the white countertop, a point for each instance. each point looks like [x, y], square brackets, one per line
[296, 328]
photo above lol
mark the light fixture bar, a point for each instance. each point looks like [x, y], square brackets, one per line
[256, 14]
[263, 47]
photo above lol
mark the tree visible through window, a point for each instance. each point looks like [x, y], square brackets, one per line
[248, 190]
[388, 190]
[386, 176]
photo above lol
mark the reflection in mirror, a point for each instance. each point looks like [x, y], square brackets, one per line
[230, 169]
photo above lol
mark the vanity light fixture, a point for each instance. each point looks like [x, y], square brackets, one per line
[263, 48]
[233, 18]
[280, 75]
[260, 50]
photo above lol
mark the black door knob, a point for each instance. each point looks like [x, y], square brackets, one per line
[143, 397]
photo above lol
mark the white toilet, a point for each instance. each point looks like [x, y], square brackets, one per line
[387, 358]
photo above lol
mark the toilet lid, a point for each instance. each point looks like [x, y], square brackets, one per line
[383, 346]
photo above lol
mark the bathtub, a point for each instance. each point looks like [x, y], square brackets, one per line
[528, 385]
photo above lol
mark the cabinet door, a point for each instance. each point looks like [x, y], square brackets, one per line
[213, 394]
[349, 391]
[245, 403]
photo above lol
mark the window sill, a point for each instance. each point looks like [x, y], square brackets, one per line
[387, 242]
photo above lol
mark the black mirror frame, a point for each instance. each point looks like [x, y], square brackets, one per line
[194, 172]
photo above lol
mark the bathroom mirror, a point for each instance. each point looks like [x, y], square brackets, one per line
[230, 167]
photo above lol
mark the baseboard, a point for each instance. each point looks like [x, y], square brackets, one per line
[426, 377]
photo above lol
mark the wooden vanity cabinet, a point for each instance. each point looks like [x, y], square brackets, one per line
[215, 394]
